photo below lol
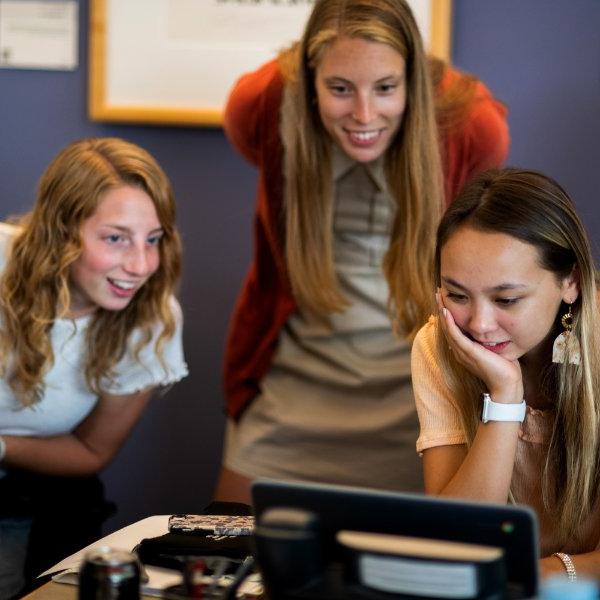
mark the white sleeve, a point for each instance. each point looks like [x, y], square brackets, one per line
[133, 375]
[439, 418]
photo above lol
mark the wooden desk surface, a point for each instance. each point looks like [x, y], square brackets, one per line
[58, 591]
[54, 591]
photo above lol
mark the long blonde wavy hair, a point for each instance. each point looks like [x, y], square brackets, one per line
[535, 209]
[412, 163]
[35, 283]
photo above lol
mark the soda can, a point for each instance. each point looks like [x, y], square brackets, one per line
[109, 574]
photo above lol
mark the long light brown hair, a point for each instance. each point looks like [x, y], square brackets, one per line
[35, 282]
[412, 163]
[535, 209]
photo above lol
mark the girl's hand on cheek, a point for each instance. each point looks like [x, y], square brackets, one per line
[502, 377]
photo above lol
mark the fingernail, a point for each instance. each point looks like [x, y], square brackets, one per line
[444, 311]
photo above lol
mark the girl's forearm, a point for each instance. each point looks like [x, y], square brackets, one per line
[64, 455]
[486, 472]
[586, 565]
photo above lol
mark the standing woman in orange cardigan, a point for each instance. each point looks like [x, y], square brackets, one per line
[353, 171]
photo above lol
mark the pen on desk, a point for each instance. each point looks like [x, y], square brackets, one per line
[218, 572]
[239, 577]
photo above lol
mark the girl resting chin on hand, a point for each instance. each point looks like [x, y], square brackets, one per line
[507, 376]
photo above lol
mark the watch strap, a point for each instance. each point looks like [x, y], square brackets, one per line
[497, 411]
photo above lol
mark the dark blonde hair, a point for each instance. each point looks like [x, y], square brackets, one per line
[535, 209]
[35, 282]
[412, 163]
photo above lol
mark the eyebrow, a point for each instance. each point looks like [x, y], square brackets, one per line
[503, 287]
[333, 78]
[127, 230]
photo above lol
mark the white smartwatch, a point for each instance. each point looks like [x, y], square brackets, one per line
[496, 411]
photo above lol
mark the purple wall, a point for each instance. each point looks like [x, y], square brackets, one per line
[542, 57]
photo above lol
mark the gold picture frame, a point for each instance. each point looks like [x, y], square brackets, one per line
[103, 106]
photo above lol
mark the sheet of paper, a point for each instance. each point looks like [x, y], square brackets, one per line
[127, 539]
[38, 35]
[67, 570]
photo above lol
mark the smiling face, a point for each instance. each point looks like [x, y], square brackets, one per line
[120, 251]
[498, 293]
[361, 95]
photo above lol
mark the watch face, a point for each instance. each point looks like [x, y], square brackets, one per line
[485, 408]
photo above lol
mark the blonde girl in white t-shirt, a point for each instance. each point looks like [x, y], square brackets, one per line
[89, 328]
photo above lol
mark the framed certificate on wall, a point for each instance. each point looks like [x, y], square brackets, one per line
[174, 61]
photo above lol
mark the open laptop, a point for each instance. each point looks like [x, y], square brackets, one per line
[333, 509]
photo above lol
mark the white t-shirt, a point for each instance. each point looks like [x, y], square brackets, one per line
[67, 399]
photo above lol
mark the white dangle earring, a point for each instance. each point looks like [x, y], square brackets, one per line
[566, 345]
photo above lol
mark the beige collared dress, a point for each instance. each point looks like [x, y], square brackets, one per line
[337, 405]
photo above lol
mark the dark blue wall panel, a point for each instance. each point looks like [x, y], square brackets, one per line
[542, 57]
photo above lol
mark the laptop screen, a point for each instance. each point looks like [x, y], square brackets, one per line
[513, 529]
